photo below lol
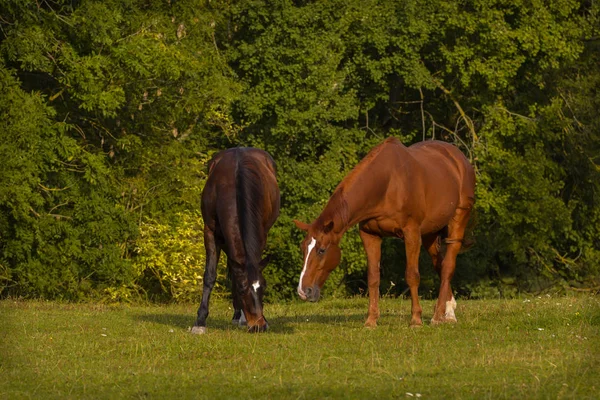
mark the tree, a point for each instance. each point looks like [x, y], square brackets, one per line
[132, 93]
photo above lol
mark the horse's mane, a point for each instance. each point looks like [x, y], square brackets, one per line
[250, 198]
[336, 209]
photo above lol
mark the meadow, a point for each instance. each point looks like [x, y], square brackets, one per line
[536, 347]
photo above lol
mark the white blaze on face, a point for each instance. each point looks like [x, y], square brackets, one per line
[311, 246]
[256, 285]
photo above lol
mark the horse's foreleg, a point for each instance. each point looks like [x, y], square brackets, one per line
[412, 242]
[238, 313]
[372, 245]
[210, 276]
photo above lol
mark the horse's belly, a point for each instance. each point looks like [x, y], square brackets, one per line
[439, 219]
[383, 227]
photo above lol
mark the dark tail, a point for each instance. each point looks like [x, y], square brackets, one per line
[250, 198]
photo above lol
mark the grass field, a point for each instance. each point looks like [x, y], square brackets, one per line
[500, 349]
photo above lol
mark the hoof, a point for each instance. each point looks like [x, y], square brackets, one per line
[446, 316]
[416, 324]
[444, 320]
[451, 319]
[370, 324]
[198, 330]
[242, 321]
[239, 319]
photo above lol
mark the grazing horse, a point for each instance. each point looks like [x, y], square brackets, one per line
[423, 194]
[240, 203]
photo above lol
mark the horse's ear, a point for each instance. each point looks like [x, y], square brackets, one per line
[263, 263]
[301, 225]
[328, 227]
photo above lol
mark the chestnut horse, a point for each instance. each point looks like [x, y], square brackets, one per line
[423, 193]
[240, 203]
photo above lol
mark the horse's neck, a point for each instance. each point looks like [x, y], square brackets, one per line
[359, 197]
[356, 195]
[363, 189]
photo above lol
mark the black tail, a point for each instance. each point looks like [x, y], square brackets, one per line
[250, 198]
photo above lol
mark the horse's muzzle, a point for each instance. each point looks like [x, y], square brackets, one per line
[259, 328]
[311, 293]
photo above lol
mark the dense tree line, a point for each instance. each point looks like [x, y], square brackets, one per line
[109, 111]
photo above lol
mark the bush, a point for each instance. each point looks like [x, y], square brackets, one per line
[170, 258]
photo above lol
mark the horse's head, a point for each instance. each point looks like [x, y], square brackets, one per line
[321, 255]
[252, 299]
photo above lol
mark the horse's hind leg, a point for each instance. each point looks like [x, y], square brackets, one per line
[210, 276]
[445, 306]
[433, 244]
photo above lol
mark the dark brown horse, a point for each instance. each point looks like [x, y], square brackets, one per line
[423, 194]
[240, 203]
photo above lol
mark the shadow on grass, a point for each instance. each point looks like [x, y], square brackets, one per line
[279, 324]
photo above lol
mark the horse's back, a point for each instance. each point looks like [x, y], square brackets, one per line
[226, 161]
[221, 192]
[444, 164]
[429, 181]
[431, 162]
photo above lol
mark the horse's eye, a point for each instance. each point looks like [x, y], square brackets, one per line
[321, 251]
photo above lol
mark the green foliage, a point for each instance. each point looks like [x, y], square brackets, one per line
[60, 225]
[172, 257]
[126, 97]
[110, 111]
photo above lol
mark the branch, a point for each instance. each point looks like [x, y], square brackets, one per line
[459, 108]
[54, 96]
[80, 131]
[52, 189]
[58, 216]
[56, 206]
[579, 124]
[6, 21]
[460, 139]
[593, 289]
[433, 124]
[516, 114]
[422, 113]
[99, 127]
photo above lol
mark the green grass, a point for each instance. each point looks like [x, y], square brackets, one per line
[515, 349]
